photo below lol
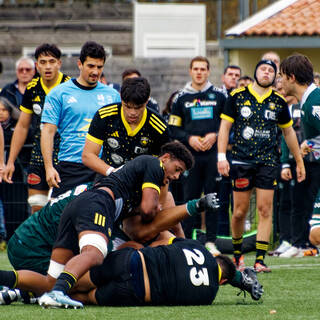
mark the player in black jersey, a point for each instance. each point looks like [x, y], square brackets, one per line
[48, 65]
[255, 111]
[194, 120]
[125, 131]
[182, 273]
[87, 221]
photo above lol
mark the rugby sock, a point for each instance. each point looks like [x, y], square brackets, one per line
[8, 278]
[237, 279]
[65, 282]
[192, 207]
[261, 248]
[237, 248]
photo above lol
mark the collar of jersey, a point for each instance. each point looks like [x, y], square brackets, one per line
[130, 132]
[46, 89]
[220, 273]
[259, 98]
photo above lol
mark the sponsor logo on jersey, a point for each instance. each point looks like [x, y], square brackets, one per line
[201, 113]
[116, 158]
[211, 96]
[270, 115]
[265, 134]
[36, 99]
[316, 111]
[72, 100]
[36, 108]
[246, 112]
[200, 103]
[247, 133]
[241, 183]
[113, 143]
[139, 150]
[144, 141]
[33, 179]
[115, 134]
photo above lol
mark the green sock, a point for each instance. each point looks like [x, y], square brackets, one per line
[192, 207]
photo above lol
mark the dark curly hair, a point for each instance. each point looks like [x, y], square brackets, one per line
[93, 50]
[47, 49]
[178, 151]
[136, 90]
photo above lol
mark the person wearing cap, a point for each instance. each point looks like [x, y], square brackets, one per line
[255, 112]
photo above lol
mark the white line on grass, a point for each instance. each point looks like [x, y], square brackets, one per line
[298, 266]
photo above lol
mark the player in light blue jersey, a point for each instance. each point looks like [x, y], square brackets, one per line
[69, 111]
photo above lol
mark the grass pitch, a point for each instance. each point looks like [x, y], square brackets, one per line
[291, 293]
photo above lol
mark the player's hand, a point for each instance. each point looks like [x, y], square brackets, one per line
[208, 141]
[195, 143]
[224, 168]
[286, 174]
[301, 172]
[305, 148]
[8, 172]
[53, 178]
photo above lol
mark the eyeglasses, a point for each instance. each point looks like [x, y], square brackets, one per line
[24, 70]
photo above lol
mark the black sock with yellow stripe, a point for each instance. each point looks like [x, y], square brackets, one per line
[261, 248]
[65, 282]
[8, 279]
[237, 248]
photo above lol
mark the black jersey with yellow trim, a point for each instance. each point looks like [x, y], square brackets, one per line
[110, 129]
[129, 181]
[255, 119]
[32, 103]
[182, 273]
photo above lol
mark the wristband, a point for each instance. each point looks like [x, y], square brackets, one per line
[221, 156]
[109, 170]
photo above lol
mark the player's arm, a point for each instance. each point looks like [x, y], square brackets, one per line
[149, 205]
[223, 138]
[90, 156]
[18, 139]
[292, 143]
[47, 137]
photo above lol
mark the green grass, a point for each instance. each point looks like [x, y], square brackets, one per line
[292, 289]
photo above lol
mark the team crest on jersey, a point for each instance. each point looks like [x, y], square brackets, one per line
[144, 141]
[113, 143]
[247, 133]
[272, 105]
[116, 158]
[100, 98]
[316, 111]
[109, 232]
[36, 108]
[246, 112]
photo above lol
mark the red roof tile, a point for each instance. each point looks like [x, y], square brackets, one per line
[301, 18]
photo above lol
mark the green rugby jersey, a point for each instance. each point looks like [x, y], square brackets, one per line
[255, 119]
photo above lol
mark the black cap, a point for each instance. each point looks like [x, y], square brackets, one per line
[268, 62]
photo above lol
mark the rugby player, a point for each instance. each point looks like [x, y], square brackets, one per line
[69, 110]
[254, 112]
[297, 80]
[48, 64]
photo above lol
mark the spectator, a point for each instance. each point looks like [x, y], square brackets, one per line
[25, 70]
[69, 109]
[297, 80]
[48, 63]
[254, 113]
[194, 120]
[316, 79]
[244, 81]
[134, 73]
[230, 78]
[113, 85]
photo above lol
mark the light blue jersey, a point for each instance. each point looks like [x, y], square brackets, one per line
[71, 108]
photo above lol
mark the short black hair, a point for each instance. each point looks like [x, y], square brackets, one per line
[178, 151]
[47, 49]
[128, 72]
[93, 50]
[246, 78]
[136, 90]
[231, 66]
[228, 268]
[299, 66]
